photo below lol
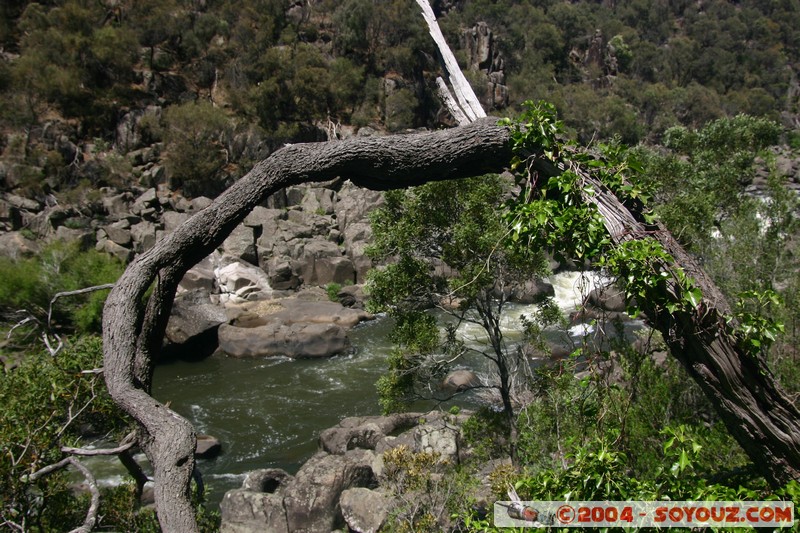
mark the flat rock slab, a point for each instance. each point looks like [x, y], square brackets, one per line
[293, 311]
[300, 340]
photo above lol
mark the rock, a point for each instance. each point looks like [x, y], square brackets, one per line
[245, 511]
[119, 232]
[83, 237]
[10, 217]
[200, 203]
[267, 480]
[340, 439]
[460, 380]
[207, 447]
[281, 274]
[479, 41]
[154, 175]
[15, 246]
[241, 244]
[531, 292]
[143, 235]
[438, 433]
[609, 298]
[354, 203]
[173, 219]
[240, 282]
[192, 315]
[129, 131]
[364, 510]
[439, 437]
[118, 205]
[301, 340]
[261, 216]
[312, 499]
[356, 238]
[23, 203]
[319, 200]
[295, 310]
[110, 247]
[483, 55]
[325, 270]
[352, 296]
[146, 203]
[201, 275]
[143, 156]
[258, 506]
[364, 432]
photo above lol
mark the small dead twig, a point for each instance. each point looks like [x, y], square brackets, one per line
[91, 514]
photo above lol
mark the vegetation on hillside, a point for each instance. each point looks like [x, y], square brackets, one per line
[274, 72]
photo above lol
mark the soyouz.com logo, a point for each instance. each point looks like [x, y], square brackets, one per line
[643, 514]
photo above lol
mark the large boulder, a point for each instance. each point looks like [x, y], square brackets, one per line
[301, 340]
[241, 244]
[300, 310]
[354, 203]
[119, 232]
[15, 245]
[364, 431]
[364, 510]
[201, 275]
[193, 314]
[258, 506]
[240, 282]
[312, 499]
[207, 447]
[460, 380]
[608, 298]
[530, 292]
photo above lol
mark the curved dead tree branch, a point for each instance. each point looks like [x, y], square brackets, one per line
[94, 506]
[134, 326]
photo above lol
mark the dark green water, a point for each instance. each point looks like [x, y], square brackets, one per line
[269, 412]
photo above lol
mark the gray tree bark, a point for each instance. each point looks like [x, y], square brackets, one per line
[133, 323]
[754, 408]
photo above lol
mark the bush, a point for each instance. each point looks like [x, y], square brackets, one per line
[195, 154]
[46, 403]
[28, 285]
[332, 289]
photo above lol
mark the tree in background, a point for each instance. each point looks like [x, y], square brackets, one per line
[448, 250]
[194, 135]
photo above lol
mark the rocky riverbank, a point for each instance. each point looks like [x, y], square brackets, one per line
[344, 485]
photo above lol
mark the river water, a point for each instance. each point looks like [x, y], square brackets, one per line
[268, 412]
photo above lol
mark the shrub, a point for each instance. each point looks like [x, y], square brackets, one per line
[29, 285]
[44, 404]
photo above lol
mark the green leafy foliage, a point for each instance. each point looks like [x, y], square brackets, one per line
[46, 403]
[196, 154]
[753, 322]
[446, 247]
[28, 285]
[702, 176]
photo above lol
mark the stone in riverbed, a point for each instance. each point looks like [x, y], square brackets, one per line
[207, 447]
[299, 340]
[192, 315]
